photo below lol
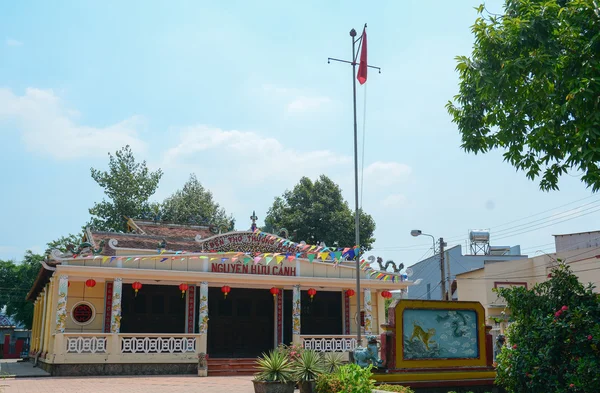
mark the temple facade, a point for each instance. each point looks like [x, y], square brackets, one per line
[158, 298]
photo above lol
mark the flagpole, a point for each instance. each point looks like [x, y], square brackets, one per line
[356, 207]
[356, 211]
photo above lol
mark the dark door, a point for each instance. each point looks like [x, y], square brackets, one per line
[241, 325]
[322, 315]
[155, 309]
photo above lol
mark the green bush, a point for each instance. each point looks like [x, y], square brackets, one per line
[395, 388]
[554, 340]
[349, 378]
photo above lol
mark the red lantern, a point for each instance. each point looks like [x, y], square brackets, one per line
[91, 283]
[350, 292]
[386, 294]
[274, 291]
[136, 287]
[225, 289]
[68, 284]
[312, 292]
[183, 287]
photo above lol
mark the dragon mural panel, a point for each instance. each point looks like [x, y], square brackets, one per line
[440, 334]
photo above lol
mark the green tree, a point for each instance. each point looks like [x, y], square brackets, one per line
[532, 88]
[62, 243]
[317, 212]
[554, 341]
[195, 204]
[16, 279]
[128, 184]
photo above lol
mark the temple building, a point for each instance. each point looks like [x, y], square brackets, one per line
[161, 296]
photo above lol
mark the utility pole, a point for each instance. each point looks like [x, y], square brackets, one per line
[353, 63]
[442, 269]
[449, 279]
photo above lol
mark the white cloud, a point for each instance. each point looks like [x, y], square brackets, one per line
[298, 101]
[258, 157]
[394, 201]
[13, 42]
[307, 104]
[386, 173]
[48, 127]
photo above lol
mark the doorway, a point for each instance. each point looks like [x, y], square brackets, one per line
[240, 325]
[322, 315]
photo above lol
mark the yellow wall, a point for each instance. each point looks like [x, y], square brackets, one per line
[78, 292]
[479, 285]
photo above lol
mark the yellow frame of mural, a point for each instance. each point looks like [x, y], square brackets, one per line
[439, 305]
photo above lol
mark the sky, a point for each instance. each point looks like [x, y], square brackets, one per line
[241, 94]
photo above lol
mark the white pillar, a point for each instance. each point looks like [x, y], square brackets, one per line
[61, 305]
[203, 309]
[296, 313]
[115, 318]
[368, 309]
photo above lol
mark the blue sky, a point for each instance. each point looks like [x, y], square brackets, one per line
[241, 94]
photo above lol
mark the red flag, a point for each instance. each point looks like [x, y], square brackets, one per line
[362, 66]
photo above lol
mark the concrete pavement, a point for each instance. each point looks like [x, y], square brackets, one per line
[145, 384]
[12, 368]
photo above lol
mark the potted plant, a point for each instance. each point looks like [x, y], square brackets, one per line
[275, 374]
[332, 361]
[307, 367]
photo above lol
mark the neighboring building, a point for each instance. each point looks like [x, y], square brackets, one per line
[478, 285]
[429, 271]
[577, 241]
[157, 298]
[14, 339]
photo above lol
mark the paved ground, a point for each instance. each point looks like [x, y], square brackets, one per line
[11, 368]
[151, 384]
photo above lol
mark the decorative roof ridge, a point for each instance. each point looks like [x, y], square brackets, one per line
[153, 237]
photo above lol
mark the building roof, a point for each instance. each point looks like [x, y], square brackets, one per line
[470, 271]
[6, 322]
[153, 228]
[143, 242]
[577, 233]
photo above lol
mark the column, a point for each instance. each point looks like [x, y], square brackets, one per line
[61, 303]
[115, 316]
[203, 309]
[202, 328]
[47, 322]
[279, 318]
[346, 312]
[34, 324]
[296, 313]
[368, 309]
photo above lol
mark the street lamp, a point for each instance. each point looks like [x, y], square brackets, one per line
[418, 232]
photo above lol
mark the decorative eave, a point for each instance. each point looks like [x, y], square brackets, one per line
[129, 274]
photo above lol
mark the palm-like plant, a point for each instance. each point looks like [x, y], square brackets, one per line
[274, 367]
[308, 366]
[332, 361]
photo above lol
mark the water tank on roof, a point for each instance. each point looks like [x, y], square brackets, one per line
[479, 236]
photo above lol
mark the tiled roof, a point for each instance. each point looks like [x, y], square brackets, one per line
[173, 230]
[144, 242]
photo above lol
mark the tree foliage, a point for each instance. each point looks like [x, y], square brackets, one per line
[317, 212]
[554, 339]
[194, 204]
[16, 279]
[532, 88]
[128, 185]
[62, 242]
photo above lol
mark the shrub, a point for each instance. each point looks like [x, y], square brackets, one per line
[308, 366]
[553, 344]
[350, 378]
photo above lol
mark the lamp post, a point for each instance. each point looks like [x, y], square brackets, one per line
[418, 232]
